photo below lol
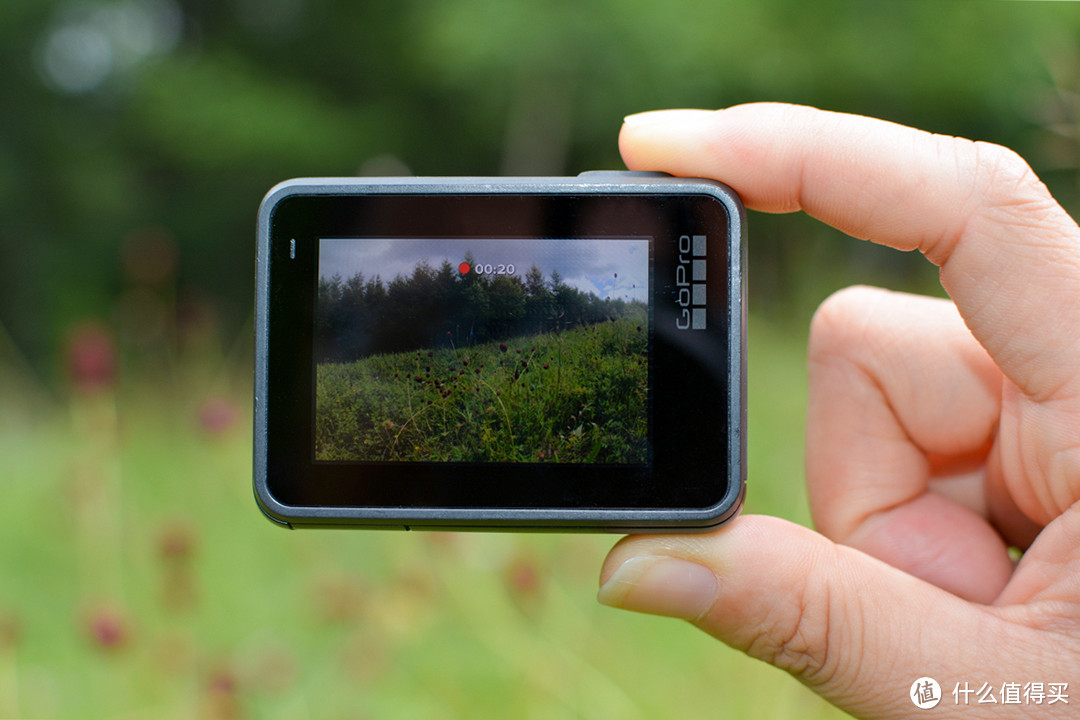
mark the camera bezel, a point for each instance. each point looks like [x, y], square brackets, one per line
[698, 492]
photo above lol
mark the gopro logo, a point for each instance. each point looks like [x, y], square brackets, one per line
[690, 286]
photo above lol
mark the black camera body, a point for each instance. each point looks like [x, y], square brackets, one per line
[501, 353]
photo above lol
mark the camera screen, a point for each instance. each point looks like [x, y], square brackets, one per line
[489, 350]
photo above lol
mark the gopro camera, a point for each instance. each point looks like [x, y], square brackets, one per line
[501, 353]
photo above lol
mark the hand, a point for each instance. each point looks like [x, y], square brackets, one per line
[939, 433]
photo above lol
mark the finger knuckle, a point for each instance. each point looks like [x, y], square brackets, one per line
[996, 184]
[1003, 190]
[1000, 174]
[809, 637]
[839, 323]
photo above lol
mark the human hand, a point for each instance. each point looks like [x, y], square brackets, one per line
[939, 433]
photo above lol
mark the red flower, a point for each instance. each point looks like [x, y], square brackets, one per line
[108, 628]
[91, 358]
[218, 415]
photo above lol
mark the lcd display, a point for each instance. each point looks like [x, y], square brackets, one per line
[482, 350]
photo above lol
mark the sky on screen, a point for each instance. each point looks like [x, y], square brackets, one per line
[606, 267]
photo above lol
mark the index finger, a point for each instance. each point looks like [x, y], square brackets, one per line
[1009, 254]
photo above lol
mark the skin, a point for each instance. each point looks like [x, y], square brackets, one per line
[939, 433]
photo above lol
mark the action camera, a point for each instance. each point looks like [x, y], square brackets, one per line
[501, 353]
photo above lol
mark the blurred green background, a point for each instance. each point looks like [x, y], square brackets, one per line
[137, 579]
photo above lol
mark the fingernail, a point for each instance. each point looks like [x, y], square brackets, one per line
[656, 117]
[661, 585]
[645, 118]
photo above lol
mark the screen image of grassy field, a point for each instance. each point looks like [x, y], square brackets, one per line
[541, 356]
[576, 395]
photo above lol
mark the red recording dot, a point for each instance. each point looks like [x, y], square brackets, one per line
[464, 268]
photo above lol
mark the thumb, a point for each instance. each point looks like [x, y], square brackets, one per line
[855, 630]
